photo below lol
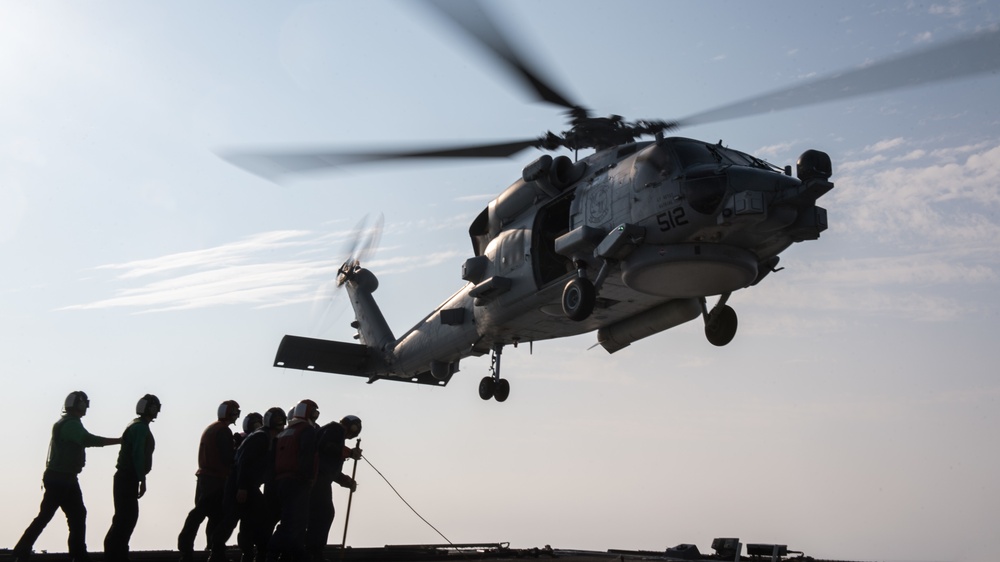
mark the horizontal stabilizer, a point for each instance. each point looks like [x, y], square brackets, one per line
[326, 356]
[310, 354]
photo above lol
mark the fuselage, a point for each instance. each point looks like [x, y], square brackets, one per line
[657, 225]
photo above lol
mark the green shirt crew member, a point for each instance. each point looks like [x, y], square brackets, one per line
[67, 455]
[135, 459]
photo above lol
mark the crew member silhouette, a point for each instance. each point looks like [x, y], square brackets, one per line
[135, 460]
[215, 462]
[244, 501]
[295, 468]
[332, 450]
[67, 455]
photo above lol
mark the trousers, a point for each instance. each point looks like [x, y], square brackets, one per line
[126, 498]
[289, 537]
[321, 513]
[62, 491]
[208, 497]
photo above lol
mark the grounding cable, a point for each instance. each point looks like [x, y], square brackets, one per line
[404, 501]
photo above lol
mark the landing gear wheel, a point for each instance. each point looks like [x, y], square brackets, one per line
[721, 325]
[502, 390]
[487, 387]
[578, 298]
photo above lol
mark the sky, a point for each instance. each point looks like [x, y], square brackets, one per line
[855, 415]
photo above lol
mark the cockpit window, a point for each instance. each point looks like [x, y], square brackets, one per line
[691, 152]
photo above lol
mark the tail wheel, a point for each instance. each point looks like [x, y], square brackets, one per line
[578, 298]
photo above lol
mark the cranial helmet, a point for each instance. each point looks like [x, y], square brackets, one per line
[148, 405]
[274, 418]
[229, 409]
[306, 410]
[352, 425]
[252, 422]
[77, 400]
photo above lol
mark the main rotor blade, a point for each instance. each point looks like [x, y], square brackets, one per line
[470, 17]
[271, 165]
[974, 54]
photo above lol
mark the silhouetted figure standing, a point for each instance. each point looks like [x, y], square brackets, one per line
[244, 501]
[135, 460]
[332, 451]
[67, 455]
[294, 472]
[215, 462]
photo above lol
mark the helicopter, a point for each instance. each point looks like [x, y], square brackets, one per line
[629, 240]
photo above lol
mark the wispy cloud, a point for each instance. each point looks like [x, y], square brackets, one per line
[945, 198]
[850, 166]
[886, 144]
[773, 150]
[268, 269]
[965, 267]
[855, 303]
[925, 229]
[951, 9]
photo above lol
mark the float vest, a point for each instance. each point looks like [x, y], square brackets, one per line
[295, 452]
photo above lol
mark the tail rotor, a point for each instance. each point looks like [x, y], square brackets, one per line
[360, 246]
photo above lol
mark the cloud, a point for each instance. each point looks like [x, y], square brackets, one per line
[911, 156]
[884, 145]
[405, 264]
[850, 304]
[858, 164]
[274, 268]
[775, 149]
[953, 9]
[935, 201]
[223, 255]
[966, 267]
[923, 235]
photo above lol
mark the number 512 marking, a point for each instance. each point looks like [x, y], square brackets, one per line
[671, 219]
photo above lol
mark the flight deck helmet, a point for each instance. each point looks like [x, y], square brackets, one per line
[76, 402]
[352, 426]
[252, 422]
[229, 410]
[275, 418]
[148, 405]
[306, 410]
